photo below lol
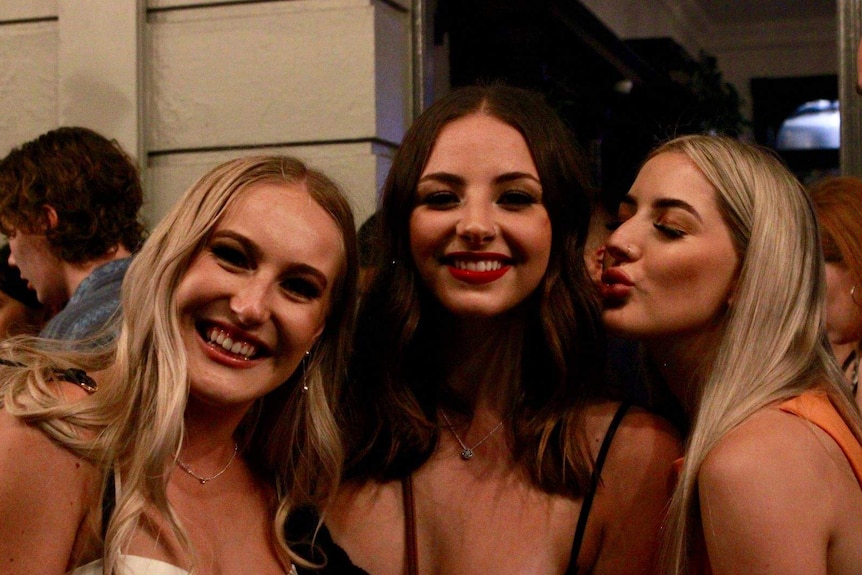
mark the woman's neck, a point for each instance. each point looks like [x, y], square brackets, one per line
[208, 429]
[483, 359]
[682, 366]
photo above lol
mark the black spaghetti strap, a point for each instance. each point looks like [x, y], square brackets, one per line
[581, 528]
[411, 551]
[109, 501]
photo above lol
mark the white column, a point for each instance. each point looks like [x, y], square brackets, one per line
[99, 69]
[849, 32]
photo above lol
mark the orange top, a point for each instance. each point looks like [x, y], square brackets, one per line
[815, 407]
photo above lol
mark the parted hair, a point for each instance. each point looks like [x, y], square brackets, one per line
[773, 345]
[394, 390]
[133, 425]
[90, 181]
[838, 204]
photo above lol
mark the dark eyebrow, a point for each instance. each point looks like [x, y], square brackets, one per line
[455, 180]
[256, 252]
[443, 177]
[666, 203]
[512, 176]
[671, 203]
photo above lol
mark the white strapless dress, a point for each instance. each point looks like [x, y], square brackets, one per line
[134, 565]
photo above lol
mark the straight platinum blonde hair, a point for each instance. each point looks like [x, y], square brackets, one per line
[133, 425]
[773, 345]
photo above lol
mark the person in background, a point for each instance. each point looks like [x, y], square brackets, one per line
[481, 438]
[20, 310]
[69, 204]
[715, 266]
[181, 448]
[838, 204]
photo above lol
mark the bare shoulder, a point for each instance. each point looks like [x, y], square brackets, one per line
[641, 435]
[772, 493]
[359, 504]
[769, 445]
[637, 480]
[45, 493]
[367, 521]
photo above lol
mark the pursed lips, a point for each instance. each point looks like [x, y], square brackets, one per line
[616, 285]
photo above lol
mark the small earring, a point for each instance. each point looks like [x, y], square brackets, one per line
[305, 371]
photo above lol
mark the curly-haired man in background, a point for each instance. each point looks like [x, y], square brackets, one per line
[69, 204]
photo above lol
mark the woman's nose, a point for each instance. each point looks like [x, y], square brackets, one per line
[620, 248]
[250, 303]
[477, 224]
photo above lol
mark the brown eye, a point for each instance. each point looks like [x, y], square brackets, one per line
[440, 200]
[516, 199]
[302, 287]
[229, 255]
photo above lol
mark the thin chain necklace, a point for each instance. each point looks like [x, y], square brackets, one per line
[467, 452]
[205, 480]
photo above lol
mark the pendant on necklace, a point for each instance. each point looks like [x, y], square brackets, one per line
[467, 454]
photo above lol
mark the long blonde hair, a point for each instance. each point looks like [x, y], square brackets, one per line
[773, 346]
[133, 425]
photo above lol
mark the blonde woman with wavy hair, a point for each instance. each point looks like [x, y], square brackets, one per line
[716, 268]
[211, 417]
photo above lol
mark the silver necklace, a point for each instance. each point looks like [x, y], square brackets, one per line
[467, 452]
[205, 480]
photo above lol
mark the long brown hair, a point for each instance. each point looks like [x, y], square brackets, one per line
[395, 387]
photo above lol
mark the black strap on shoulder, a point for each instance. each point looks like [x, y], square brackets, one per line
[581, 528]
[410, 549]
[849, 361]
[109, 501]
[72, 375]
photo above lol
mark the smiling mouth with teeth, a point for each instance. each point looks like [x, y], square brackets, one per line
[480, 266]
[220, 338]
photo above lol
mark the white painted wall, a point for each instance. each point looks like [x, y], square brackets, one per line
[186, 84]
[325, 80]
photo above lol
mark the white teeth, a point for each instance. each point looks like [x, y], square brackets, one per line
[480, 266]
[220, 338]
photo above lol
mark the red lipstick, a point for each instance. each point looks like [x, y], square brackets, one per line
[616, 284]
[476, 277]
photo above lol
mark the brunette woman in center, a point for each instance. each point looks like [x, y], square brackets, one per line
[475, 400]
